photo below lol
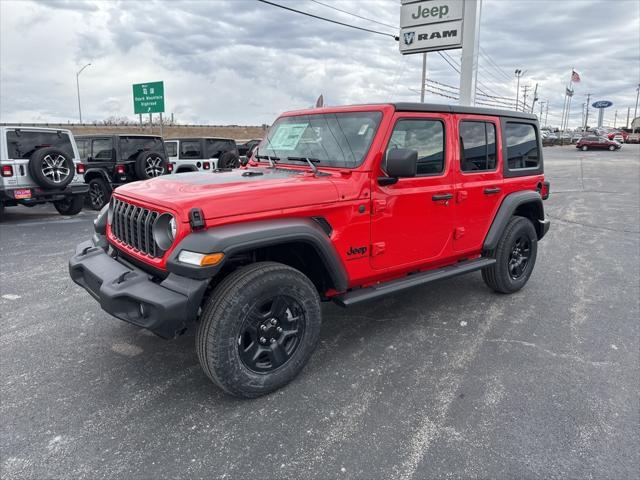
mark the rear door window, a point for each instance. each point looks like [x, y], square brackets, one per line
[22, 144]
[84, 148]
[190, 149]
[522, 146]
[478, 140]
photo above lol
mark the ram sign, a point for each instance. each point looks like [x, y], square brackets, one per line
[430, 25]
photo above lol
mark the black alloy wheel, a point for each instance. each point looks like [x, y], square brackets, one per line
[519, 258]
[271, 333]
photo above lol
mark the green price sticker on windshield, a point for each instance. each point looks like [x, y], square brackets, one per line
[287, 136]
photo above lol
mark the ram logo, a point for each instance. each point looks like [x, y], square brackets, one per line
[409, 37]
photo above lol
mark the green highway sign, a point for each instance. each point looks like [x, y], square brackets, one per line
[148, 97]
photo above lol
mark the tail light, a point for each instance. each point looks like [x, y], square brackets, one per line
[205, 165]
[169, 167]
[120, 169]
[7, 171]
[80, 168]
[545, 189]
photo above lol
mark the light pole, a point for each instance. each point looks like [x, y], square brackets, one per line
[518, 73]
[78, 89]
[635, 111]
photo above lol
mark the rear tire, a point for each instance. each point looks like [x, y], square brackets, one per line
[515, 257]
[71, 205]
[99, 193]
[258, 329]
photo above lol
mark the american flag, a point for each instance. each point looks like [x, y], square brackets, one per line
[575, 78]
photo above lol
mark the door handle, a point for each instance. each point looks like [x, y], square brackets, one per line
[444, 196]
[491, 191]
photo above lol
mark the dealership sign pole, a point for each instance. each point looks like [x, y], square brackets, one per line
[434, 25]
[601, 105]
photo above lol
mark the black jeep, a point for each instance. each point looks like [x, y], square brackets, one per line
[113, 160]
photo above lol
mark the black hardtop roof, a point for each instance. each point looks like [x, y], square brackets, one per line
[197, 138]
[440, 108]
[102, 135]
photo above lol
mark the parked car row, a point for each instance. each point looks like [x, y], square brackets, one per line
[40, 165]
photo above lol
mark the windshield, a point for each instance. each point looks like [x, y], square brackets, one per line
[130, 147]
[334, 139]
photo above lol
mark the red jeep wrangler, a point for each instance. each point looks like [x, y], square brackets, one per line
[345, 204]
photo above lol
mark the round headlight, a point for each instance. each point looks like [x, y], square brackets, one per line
[163, 231]
[172, 228]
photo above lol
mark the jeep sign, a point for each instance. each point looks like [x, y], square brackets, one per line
[430, 25]
[148, 97]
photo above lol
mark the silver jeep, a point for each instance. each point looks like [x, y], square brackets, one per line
[39, 165]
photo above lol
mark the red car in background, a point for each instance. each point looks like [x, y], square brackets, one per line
[617, 133]
[593, 142]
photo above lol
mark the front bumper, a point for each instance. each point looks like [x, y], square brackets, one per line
[164, 307]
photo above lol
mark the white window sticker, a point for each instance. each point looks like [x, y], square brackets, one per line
[287, 136]
[363, 129]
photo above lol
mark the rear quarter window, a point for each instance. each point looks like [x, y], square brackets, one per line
[172, 148]
[523, 152]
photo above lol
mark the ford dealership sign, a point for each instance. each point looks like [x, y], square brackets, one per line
[602, 104]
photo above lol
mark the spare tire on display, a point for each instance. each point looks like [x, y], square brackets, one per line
[51, 168]
[229, 160]
[150, 164]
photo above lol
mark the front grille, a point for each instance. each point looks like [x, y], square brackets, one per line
[133, 225]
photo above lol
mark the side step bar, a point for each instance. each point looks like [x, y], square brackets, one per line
[365, 294]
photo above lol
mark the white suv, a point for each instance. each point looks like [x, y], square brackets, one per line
[39, 165]
[201, 154]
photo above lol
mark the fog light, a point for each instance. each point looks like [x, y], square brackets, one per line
[200, 259]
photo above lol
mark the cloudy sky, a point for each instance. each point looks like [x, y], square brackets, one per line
[243, 62]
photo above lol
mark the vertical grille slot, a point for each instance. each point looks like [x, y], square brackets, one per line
[133, 226]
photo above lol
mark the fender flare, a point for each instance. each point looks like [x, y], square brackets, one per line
[507, 209]
[240, 237]
[90, 172]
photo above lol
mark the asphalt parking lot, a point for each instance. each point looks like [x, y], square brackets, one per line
[444, 381]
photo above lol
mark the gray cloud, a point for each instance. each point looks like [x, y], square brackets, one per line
[240, 61]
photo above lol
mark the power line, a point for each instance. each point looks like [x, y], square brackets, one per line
[354, 14]
[492, 61]
[395, 37]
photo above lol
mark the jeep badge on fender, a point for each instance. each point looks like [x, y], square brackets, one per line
[246, 256]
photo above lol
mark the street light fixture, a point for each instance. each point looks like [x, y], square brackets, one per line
[78, 89]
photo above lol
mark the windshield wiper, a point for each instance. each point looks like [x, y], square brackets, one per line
[269, 158]
[310, 161]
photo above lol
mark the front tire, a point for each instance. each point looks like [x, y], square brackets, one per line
[612, 148]
[71, 205]
[515, 257]
[258, 329]
[585, 148]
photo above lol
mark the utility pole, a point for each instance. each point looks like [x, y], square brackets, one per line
[540, 116]
[586, 116]
[535, 98]
[615, 119]
[524, 97]
[518, 74]
[583, 108]
[424, 76]
[546, 115]
[628, 113]
[470, 47]
[78, 90]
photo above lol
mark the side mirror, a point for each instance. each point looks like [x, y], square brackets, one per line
[402, 162]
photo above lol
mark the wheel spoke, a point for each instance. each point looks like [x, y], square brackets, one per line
[279, 307]
[277, 354]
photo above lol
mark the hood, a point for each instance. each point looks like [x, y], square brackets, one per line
[231, 193]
